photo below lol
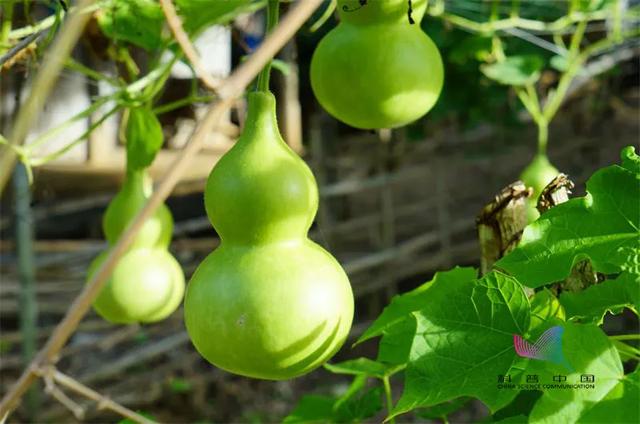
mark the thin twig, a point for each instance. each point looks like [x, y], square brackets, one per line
[60, 396]
[22, 44]
[175, 24]
[45, 79]
[231, 87]
[52, 375]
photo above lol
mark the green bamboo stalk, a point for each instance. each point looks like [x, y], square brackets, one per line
[27, 299]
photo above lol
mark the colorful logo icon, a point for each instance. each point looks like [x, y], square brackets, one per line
[548, 347]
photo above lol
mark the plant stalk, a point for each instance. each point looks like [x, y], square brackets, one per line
[273, 11]
[389, 396]
[7, 19]
[26, 266]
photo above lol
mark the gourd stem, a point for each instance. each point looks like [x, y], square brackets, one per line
[273, 9]
[543, 136]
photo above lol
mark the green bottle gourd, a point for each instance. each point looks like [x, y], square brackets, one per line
[147, 284]
[537, 175]
[268, 303]
[377, 69]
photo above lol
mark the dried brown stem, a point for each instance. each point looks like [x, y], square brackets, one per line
[230, 88]
[500, 224]
[51, 376]
[175, 25]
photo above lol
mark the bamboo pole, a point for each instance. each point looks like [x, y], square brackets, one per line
[175, 25]
[230, 88]
[27, 297]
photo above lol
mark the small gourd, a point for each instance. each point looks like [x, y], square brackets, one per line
[268, 302]
[147, 284]
[537, 175]
[377, 68]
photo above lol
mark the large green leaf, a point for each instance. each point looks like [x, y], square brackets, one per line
[364, 404]
[544, 307]
[402, 306]
[312, 409]
[590, 352]
[396, 341]
[590, 305]
[620, 405]
[138, 22]
[198, 14]
[515, 70]
[464, 340]
[442, 409]
[522, 404]
[598, 226]
[357, 403]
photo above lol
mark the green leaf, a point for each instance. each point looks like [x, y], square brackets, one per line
[590, 305]
[590, 352]
[442, 409]
[138, 22]
[364, 405]
[464, 341]
[544, 307]
[357, 403]
[199, 14]
[144, 137]
[620, 405]
[515, 70]
[598, 226]
[522, 404]
[403, 305]
[396, 341]
[516, 419]
[627, 258]
[312, 409]
[358, 383]
[362, 366]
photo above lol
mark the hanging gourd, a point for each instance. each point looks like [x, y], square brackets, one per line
[377, 68]
[268, 302]
[537, 175]
[147, 283]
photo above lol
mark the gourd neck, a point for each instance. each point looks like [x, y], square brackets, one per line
[261, 124]
[377, 12]
[137, 182]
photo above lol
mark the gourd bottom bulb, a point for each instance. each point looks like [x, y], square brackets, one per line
[272, 312]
